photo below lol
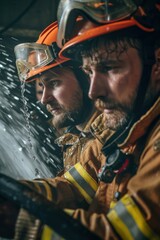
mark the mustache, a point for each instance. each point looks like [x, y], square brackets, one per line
[52, 105]
[68, 114]
[102, 103]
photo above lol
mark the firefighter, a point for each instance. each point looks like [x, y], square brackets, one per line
[39, 61]
[119, 42]
[64, 97]
[121, 56]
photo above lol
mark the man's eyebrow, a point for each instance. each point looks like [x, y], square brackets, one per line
[87, 66]
[44, 78]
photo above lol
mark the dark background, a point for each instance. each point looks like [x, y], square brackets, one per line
[26, 18]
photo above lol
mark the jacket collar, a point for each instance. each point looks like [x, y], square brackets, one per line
[99, 129]
[138, 129]
[141, 126]
[72, 137]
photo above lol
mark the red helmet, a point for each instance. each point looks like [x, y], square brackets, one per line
[81, 20]
[37, 57]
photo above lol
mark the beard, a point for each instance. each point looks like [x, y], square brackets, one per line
[74, 114]
[116, 115]
[66, 118]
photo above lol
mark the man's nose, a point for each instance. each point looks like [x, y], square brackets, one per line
[46, 96]
[97, 86]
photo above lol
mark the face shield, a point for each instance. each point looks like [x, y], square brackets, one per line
[100, 11]
[32, 56]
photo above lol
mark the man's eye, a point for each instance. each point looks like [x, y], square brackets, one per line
[106, 68]
[54, 83]
[40, 84]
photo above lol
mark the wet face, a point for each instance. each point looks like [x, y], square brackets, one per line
[114, 79]
[62, 96]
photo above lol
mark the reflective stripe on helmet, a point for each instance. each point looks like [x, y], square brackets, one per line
[129, 222]
[80, 178]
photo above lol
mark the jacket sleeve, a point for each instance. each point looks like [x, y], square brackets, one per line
[77, 187]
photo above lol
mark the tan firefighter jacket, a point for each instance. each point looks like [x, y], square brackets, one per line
[83, 152]
[67, 192]
[128, 207]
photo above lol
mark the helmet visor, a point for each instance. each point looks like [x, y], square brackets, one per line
[101, 11]
[31, 56]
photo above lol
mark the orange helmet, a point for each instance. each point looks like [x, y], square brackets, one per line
[81, 20]
[37, 57]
